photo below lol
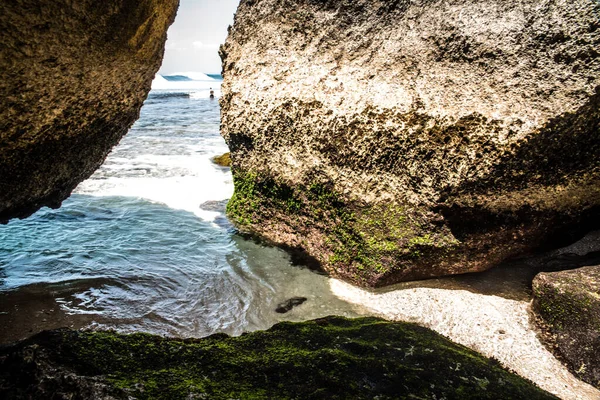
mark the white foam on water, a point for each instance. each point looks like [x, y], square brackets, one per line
[199, 81]
[192, 181]
[203, 94]
[163, 84]
[170, 163]
[194, 75]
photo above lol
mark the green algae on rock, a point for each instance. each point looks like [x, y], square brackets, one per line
[568, 306]
[371, 241]
[447, 136]
[333, 358]
[73, 77]
[223, 160]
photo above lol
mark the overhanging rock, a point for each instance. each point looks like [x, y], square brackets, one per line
[398, 140]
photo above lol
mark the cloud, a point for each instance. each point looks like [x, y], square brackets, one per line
[176, 46]
[198, 45]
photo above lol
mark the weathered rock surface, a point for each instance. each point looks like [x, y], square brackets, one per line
[568, 306]
[395, 140]
[73, 77]
[332, 358]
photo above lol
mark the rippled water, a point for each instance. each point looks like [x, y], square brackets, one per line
[144, 243]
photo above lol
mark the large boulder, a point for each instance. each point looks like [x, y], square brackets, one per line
[396, 140]
[332, 358]
[567, 305]
[73, 77]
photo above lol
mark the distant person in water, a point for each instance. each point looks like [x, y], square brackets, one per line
[212, 93]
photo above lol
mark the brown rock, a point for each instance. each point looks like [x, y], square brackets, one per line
[223, 160]
[73, 77]
[568, 306]
[403, 140]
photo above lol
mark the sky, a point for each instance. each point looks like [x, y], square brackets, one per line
[194, 38]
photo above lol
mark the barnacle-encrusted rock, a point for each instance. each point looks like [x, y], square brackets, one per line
[568, 306]
[395, 140]
[73, 77]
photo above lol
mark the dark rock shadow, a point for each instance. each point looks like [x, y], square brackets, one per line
[511, 279]
[547, 191]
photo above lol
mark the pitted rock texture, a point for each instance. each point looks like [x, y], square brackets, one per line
[397, 140]
[73, 77]
[568, 306]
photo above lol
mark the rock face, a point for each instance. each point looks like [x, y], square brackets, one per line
[395, 140]
[568, 304]
[329, 358]
[73, 77]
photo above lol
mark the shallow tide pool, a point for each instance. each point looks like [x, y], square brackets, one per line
[144, 243]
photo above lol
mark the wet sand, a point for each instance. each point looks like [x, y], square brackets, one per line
[494, 326]
[489, 313]
[34, 308]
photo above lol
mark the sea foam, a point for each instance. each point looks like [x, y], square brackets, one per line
[197, 182]
[166, 158]
[198, 82]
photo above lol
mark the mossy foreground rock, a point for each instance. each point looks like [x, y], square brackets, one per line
[331, 358]
[568, 303]
[396, 140]
[73, 77]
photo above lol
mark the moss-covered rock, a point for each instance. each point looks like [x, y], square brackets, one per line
[567, 304]
[73, 77]
[466, 131]
[367, 244]
[332, 358]
[223, 160]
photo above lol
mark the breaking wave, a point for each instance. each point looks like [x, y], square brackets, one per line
[196, 85]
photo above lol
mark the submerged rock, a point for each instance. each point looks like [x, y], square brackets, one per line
[568, 306]
[288, 305]
[73, 77]
[328, 358]
[214, 205]
[397, 140]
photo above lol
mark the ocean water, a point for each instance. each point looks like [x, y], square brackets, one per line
[144, 245]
